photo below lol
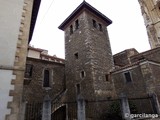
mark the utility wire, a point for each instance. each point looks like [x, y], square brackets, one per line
[44, 15]
[47, 11]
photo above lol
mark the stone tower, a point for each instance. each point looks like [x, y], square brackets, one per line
[151, 14]
[88, 53]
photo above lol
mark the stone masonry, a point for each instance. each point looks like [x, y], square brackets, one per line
[151, 12]
[19, 65]
[91, 76]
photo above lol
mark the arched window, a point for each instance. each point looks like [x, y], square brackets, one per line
[46, 78]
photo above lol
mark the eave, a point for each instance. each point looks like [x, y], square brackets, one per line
[35, 10]
[84, 5]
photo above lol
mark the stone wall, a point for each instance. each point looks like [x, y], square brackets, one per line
[156, 78]
[145, 80]
[94, 60]
[135, 88]
[152, 55]
[15, 26]
[123, 58]
[33, 88]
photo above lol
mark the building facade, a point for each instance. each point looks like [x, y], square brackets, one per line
[91, 81]
[17, 22]
[151, 13]
[86, 37]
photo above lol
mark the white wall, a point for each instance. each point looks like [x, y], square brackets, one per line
[10, 17]
[33, 54]
[5, 85]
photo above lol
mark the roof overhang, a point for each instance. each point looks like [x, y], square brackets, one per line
[36, 5]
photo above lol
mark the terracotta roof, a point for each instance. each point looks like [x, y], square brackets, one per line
[35, 10]
[87, 6]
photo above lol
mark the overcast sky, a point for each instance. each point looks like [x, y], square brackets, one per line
[126, 31]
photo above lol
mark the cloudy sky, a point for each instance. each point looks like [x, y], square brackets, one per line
[126, 31]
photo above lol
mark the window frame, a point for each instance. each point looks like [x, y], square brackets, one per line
[107, 77]
[77, 24]
[50, 78]
[76, 55]
[29, 70]
[78, 88]
[82, 74]
[126, 77]
[100, 27]
[94, 23]
[46, 85]
[71, 29]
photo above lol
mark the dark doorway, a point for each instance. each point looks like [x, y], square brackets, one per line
[59, 114]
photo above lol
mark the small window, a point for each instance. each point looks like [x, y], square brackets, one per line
[28, 71]
[77, 24]
[100, 27]
[128, 77]
[82, 74]
[107, 77]
[46, 78]
[76, 55]
[78, 88]
[71, 29]
[94, 24]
